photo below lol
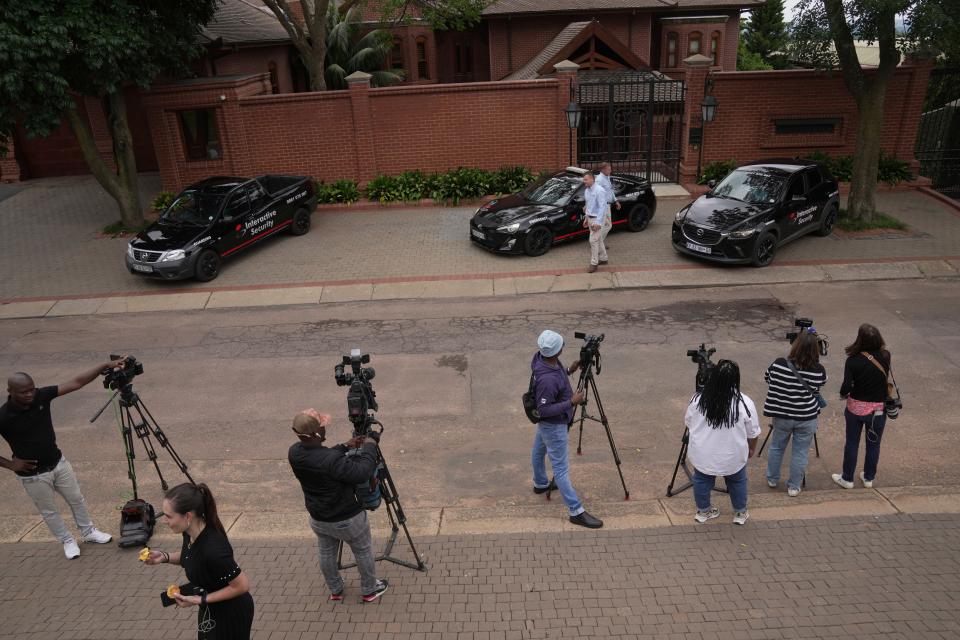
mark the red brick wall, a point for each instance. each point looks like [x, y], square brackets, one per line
[257, 60]
[729, 37]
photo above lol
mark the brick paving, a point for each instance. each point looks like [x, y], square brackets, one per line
[891, 576]
[48, 246]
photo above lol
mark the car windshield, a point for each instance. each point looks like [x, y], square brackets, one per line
[193, 208]
[554, 191]
[755, 187]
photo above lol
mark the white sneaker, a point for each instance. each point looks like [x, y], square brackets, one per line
[710, 514]
[97, 536]
[846, 484]
[867, 483]
[793, 493]
[70, 549]
[740, 517]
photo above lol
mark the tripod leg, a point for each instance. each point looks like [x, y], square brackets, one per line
[398, 520]
[142, 430]
[165, 442]
[764, 443]
[681, 463]
[816, 445]
[606, 426]
[127, 432]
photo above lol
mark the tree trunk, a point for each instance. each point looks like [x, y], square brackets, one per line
[866, 161]
[122, 185]
[315, 67]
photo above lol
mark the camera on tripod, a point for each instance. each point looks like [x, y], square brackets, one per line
[590, 351]
[701, 357]
[361, 398]
[114, 379]
[806, 324]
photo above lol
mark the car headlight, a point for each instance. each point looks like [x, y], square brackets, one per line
[509, 228]
[681, 214]
[130, 251]
[176, 254]
[743, 233]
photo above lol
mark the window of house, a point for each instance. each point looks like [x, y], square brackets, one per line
[274, 79]
[693, 43]
[715, 48]
[671, 50]
[805, 125]
[422, 67]
[201, 139]
[396, 54]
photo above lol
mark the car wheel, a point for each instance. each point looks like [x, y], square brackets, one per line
[764, 250]
[301, 222]
[208, 266]
[826, 226]
[537, 241]
[638, 218]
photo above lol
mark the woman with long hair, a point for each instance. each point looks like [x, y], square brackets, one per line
[724, 427]
[865, 388]
[225, 604]
[793, 385]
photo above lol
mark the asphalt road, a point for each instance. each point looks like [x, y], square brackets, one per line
[449, 374]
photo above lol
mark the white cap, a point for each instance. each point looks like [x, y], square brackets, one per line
[550, 343]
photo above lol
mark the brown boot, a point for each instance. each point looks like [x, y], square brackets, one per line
[591, 268]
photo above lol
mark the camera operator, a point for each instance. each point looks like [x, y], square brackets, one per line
[328, 477]
[792, 401]
[555, 403]
[722, 439]
[865, 388]
[26, 425]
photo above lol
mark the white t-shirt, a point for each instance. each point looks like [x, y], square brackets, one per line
[721, 451]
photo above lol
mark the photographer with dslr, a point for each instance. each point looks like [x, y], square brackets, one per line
[794, 402]
[555, 403]
[865, 376]
[328, 477]
[722, 438]
[26, 425]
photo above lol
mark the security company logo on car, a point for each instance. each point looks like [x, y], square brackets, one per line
[257, 225]
[803, 217]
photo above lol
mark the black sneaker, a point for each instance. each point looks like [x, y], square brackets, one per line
[587, 520]
[379, 591]
[550, 487]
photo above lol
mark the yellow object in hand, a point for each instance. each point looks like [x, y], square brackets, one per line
[173, 591]
[144, 554]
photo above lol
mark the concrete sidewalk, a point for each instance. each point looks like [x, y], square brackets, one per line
[893, 576]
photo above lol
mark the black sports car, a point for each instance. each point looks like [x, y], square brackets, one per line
[755, 209]
[550, 210]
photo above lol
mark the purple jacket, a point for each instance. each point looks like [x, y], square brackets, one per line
[553, 391]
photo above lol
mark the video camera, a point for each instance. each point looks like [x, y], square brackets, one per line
[701, 357]
[590, 351]
[806, 324]
[114, 379]
[361, 398]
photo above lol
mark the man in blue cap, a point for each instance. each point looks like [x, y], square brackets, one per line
[555, 403]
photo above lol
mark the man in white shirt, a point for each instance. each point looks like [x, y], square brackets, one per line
[603, 179]
[597, 220]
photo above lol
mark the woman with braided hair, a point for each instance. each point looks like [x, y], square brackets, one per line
[225, 605]
[724, 428]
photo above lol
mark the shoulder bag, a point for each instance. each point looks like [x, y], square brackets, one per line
[529, 400]
[892, 404]
[821, 401]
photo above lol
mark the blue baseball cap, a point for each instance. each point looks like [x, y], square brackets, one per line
[550, 343]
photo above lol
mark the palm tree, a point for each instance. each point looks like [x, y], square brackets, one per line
[347, 53]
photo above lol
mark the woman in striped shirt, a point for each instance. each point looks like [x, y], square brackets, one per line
[793, 407]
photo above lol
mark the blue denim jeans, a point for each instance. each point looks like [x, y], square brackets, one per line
[551, 440]
[736, 486]
[873, 424]
[802, 432]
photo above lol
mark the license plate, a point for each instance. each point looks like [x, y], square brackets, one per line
[142, 267]
[477, 234]
[698, 248]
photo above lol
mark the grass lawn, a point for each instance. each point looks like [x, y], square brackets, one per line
[879, 221]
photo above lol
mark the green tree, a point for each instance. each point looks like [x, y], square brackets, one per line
[766, 32]
[53, 51]
[309, 35]
[348, 51]
[824, 32]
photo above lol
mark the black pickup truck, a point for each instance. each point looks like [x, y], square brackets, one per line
[217, 218]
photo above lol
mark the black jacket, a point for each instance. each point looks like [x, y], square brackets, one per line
[327, 476]
[862, 380]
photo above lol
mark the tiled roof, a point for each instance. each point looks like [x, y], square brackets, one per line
[244, 21]
[529, 70]
[506, 7]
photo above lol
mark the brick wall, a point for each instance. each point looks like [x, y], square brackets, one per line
[257, 60]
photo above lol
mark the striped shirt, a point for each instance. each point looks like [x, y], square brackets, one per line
[786, 397]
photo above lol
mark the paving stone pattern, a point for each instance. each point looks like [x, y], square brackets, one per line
[882, 577]
[48, 245]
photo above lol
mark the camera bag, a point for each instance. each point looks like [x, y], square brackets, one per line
[137, 519]
[892, 404]
[529, 401]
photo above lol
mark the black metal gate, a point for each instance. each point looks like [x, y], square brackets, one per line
[634, 122]
[938, 140]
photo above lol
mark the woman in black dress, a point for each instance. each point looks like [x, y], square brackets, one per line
[225, 605]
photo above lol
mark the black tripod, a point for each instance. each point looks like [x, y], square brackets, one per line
[588, 385]
[398, 519]
[137, 519]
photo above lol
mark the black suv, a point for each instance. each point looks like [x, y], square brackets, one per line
[755, 209]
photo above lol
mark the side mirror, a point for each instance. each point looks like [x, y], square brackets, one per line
[711, 184]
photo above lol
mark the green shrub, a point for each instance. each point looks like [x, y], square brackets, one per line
[510, 179]
[893, 170]
[717, 171]
[409, 186]
[338, 191]
[461, 184]
[162, 201]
